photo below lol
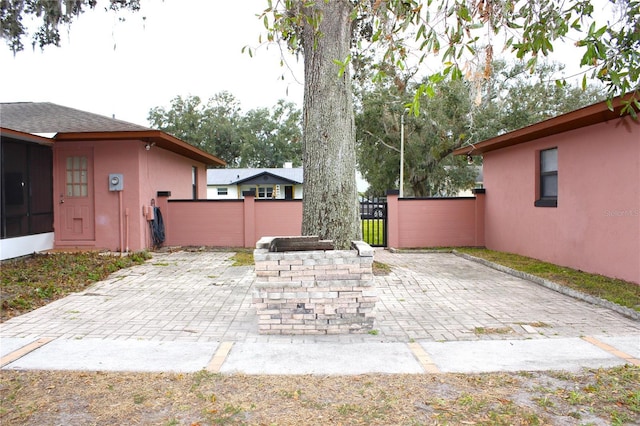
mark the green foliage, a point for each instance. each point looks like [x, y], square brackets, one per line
[516, 97]
[271, 136]
[430, 138]
[242, 257]
[448, 119]
[49, 15]
[406, 33]
[393, 39]
[373, 231]
[211, 126]
[264, 137]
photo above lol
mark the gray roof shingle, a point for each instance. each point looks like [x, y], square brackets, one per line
[233, 176]
[45, 117]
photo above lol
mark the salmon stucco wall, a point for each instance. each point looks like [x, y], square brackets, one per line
[119, 219]
[230, 223]
[163, 170]
[446, 222]
[277, 218]
[215, 223]
[109, 214]
[596, 225]
[105, 158]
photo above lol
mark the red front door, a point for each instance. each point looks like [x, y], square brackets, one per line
[75, 196]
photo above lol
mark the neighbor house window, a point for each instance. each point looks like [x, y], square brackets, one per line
[548, 179]
[223, 191]
[266, 192]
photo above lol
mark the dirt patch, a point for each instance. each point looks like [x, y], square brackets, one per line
[609, 396]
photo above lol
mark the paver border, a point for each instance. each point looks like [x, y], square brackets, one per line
[622, 310]
[627, 312]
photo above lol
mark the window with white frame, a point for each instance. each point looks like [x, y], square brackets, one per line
[223, 191]
[265, 192]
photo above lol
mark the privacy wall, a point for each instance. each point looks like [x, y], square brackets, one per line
[411, 223]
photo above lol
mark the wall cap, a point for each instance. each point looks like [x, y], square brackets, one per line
[364, 249]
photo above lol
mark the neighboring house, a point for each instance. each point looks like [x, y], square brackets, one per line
[280, 184]
[57, 169]
[567, 191]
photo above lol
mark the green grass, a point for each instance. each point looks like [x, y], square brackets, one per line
[243, 257]
[621, 292]
[373, 231]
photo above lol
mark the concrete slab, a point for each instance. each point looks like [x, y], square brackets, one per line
[10, 344]
[627, 344]
[118, 355]
[325, 358]
[569, 354]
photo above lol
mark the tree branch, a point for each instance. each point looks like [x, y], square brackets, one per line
[381, 141]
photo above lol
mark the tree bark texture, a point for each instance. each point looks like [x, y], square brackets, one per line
[330, 206]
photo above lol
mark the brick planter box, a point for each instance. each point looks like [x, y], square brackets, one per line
[314, 292]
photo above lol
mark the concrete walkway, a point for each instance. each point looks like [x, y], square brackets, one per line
[185, 311]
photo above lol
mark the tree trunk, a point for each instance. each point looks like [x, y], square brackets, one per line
[330, 207]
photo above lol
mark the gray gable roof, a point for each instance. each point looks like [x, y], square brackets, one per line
[237, 176]
[45, 117]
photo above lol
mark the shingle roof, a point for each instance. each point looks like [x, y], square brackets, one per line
[67, 124]
[45, 117]
[234, 176]
[587, 116]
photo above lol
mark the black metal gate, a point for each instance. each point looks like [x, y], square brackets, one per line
[373, 218]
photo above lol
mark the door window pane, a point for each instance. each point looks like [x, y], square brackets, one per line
[77, 178]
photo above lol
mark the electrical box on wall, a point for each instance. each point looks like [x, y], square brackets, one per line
[115, 182]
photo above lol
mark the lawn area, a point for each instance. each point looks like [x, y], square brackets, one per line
[589, 397]
[373, 231]
[621, 292]
[31, 282]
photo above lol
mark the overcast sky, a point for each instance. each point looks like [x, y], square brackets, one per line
[183, 47]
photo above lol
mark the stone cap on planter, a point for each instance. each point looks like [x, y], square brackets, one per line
[280, 244]
[306, 243]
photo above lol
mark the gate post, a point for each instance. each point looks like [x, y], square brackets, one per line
[479, 237]
[393, 223]
[249, 218]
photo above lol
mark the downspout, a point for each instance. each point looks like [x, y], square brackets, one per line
[120, 221]
[126, 215]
